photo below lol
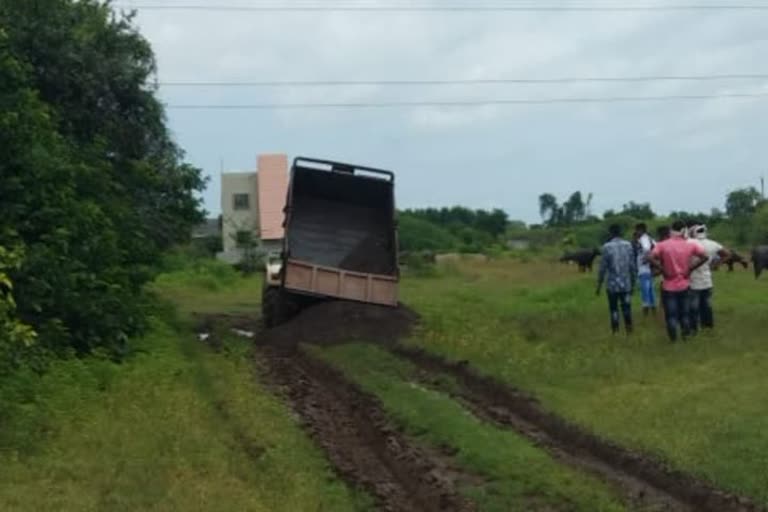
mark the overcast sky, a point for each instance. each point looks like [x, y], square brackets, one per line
[677, 155]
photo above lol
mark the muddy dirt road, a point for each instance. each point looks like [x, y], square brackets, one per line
[366, 449]
[644, 482]
[363, 447]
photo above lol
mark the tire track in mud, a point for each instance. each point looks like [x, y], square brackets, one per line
[353, 430]
[643, 481]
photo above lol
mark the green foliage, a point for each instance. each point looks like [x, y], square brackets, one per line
[417, 234]
[451, 229]
[742, 203]
[574, 210]
[202, 273]
[549, 209]
[561, 228]
[15, 336]
[207, 286]
[208, 246]
[93, 188]
[759, 226]
[590, 235]
[642, 211]
[253, 255]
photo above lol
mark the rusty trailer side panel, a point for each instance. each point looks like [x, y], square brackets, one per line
[333, 282]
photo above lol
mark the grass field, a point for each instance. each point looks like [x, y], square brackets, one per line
[183, 427]
[177, 428]
[699, 405]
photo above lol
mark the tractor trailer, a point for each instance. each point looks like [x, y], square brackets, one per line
[340, 240]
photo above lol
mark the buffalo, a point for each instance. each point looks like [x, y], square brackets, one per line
[731, 261]
[760, 259]
[584, 258]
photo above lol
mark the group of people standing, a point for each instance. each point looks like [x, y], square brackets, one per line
[682, 255]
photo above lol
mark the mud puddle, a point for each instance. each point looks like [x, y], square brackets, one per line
[644, 482]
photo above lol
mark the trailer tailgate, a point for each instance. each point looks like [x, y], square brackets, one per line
[308, 278]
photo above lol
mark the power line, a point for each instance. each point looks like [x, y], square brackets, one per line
[437, 8]
[480, 81]
[463, 103]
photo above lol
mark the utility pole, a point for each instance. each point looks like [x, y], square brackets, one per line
[762, 187]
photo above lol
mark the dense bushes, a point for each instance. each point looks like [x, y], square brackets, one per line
[15, 336]
[451, 229]
[92, 188]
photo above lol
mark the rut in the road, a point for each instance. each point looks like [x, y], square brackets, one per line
[364, 448]
[643, 481]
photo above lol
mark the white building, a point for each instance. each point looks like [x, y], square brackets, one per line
[252, 206]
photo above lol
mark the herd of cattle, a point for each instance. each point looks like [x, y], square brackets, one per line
[585, 259]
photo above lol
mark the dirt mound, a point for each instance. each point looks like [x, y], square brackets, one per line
[644, 480]
[333, 322]
[363, 447]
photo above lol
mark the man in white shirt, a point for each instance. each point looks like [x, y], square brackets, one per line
[701, 280]
[644, 244]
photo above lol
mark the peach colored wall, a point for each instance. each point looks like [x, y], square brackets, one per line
[273, 187]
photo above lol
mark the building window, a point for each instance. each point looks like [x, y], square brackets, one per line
[241, 201]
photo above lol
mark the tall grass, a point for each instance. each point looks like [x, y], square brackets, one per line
[177, 426]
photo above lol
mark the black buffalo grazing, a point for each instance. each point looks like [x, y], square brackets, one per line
[584, 258]
[760, 259]
[731, 261]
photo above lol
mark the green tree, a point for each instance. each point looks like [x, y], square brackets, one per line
[494, 222]
[419, 234]
[477, 228]
[574, 209]
[15, 336]
[641, 211]
[759, 226]
[549, 208]
[93, 188]
[742, 203]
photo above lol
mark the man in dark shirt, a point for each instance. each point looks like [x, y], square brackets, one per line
[618, 270]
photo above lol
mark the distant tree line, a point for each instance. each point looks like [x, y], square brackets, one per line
[743, 222]
[451, 229]
[574, 210]
[92, 188]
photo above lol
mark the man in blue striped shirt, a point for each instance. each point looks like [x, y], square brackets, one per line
[618, 270]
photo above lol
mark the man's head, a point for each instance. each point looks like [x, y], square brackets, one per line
[641, 229]
[614, 230]
[700, 232]
[663, 232]
[678, 226]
